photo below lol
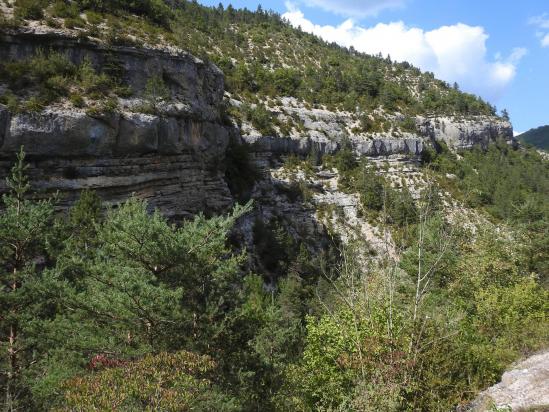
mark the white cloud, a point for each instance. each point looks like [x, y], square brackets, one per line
[357, 9]
[542, 23]
[516, 134]
[454, 53]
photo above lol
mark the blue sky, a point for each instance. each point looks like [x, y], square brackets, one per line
[499, 50]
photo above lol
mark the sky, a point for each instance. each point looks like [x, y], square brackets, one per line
[496, 49]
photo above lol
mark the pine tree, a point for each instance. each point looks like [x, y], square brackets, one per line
[24, 229]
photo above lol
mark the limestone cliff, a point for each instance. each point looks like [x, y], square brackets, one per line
[323, 130]
[171, 158]
[175, 157]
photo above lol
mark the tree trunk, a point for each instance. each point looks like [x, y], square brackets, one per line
[12, 357]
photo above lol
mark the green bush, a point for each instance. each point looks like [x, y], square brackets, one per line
[94, 18]
[274, 247]
[11, 101]
[401, 208]
[77, 100]
[171, 382]
[408, 125]
[73, 22]
[30, 9]
[156, 91]
[155, 10]
[64, 10]
[261, 119]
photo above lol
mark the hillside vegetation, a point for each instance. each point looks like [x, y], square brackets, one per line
[116, 308]
[261, 55]
[538, 137]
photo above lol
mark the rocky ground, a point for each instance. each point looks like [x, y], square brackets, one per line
[523, 388]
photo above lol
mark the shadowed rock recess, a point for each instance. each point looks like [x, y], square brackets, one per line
[174, 158]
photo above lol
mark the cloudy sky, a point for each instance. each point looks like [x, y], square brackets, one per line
[499, 50]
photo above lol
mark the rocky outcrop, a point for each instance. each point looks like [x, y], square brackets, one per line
[523, 388]
[173, 159]
[322, 131]
[173, 163]
[197, 87]
[388, 147]
[307, 145]
[464, 133]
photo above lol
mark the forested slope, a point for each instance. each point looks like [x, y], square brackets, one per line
[283, 275]
[538, 137]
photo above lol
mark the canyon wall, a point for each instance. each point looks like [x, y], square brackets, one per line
[175, 158]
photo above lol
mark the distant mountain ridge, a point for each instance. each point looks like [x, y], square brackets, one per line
[538, 137]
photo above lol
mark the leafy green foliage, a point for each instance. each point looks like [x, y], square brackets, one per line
[366, 352]
[511, 185]
[168, 382]
[117, 287]
[156, 92]
[25, 229]
[30, 9]
[261, 119]
[156, 10]
[131, 310]
[376, 194]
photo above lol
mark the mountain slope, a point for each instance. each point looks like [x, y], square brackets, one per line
[393, 255]
[260, 54]
[538, 137]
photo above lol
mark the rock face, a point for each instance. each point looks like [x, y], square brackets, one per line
[525, 387]
[464, 133]
[197, 86]
[306, 145]
[174, 160]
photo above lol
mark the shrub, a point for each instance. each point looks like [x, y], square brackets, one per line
[408, 125]
[57, 86]
[94, 18]
[401, 208]
[155, 10]
[156, 91]
[372, 190]
[93, 83]
[261, 119]
[64, 10]
[77, 100]
[11, 101]
[51, 22]
[30, 9]
[170, 382]
[274, 246]
[71, 23]
[34, 104]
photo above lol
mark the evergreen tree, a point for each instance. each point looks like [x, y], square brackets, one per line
[24, 230]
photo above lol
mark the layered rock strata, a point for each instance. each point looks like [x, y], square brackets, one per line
[173, 159]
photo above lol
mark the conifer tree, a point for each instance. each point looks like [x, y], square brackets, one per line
[24, 230]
